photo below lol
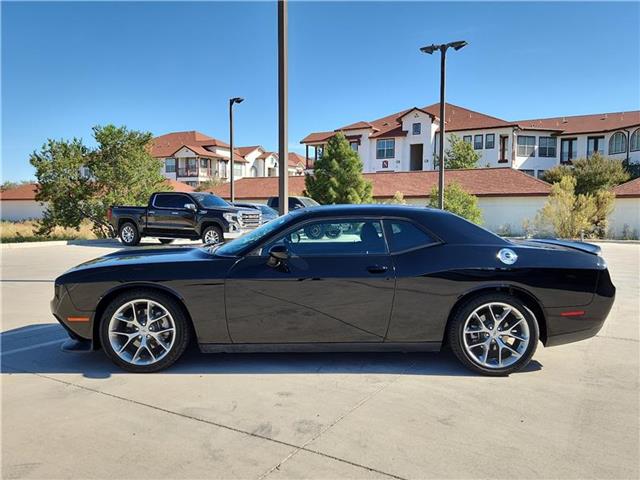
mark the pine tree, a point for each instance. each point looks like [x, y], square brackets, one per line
[337, 175]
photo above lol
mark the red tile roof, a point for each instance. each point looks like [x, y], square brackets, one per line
[628, 189]
[296, 159]
[179, 186]
[600, 122]
[460, 119]
[166, 145]
[26, 191]
[247, 150]
[483, 182]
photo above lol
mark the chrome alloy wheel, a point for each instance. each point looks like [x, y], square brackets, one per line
[495, 335]
[142, 332]
[128, 233]
[211, 236]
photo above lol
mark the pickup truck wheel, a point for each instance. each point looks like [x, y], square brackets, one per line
[129, 234]
[314, 232]
[212, 234]
[166, 241]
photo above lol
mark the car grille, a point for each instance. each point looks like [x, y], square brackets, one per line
[250, 219]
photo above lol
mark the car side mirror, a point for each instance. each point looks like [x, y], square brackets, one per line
[190, 206]
[277, 255]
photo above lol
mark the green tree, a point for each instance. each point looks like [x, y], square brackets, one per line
[460, 154]
[79, 183]
[458, 201]
[569, 214]
[209, 184]
[592, 174]
[337, 175]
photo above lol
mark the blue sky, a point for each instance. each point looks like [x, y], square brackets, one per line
[166, 67]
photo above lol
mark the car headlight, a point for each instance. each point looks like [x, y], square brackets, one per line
[230, 217]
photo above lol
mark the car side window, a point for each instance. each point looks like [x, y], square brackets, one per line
[404, 235]
[169, 200]
[331, 237]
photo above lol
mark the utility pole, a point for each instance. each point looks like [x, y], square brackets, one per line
[283, 121]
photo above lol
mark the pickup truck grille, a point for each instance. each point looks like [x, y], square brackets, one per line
[250, 219]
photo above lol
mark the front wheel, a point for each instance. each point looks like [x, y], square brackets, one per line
[129, 234]
[494, 334]
[212, 235]
[144, 331]
[314, 232]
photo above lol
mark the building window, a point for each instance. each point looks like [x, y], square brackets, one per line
[385, 148]
[204, 163]
[617, 143]
[489, 141]
[635, 140]
[568, 149]
[254, 171]
[466, 138]
[237, 170]
[477, 142]
[540, 174]
[595, 145]
[526, 146]
[416, 128]
[170, 165]
[547, 147]
[354, 146]
[529, 172]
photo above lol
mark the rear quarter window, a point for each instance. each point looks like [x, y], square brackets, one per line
[404, 235]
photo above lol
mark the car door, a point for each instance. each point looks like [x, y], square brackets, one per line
[168, 212]
[337, 288]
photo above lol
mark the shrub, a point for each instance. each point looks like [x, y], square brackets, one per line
[457, 201]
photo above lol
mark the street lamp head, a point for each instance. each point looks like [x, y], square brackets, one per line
[236, 100]
[458, 45]
[430, 49]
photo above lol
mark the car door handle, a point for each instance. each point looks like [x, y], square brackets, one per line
[175, 213]
[377, 268]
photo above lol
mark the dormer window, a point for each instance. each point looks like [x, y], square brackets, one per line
[416, 128]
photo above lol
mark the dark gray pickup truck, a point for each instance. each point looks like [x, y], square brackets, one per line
[193, 215]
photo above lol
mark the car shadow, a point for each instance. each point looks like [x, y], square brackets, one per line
[150, 242]
[37, 349]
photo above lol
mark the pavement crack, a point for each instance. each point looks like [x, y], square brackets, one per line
[296, 448]
[332, 424]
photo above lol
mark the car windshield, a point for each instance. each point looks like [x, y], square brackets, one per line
[268, 210]
[233, 247]
[309, 202]
[209, 200]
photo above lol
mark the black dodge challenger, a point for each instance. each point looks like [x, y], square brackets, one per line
[378, 278]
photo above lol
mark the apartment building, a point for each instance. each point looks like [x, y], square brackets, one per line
[193, 157]
[408, 140]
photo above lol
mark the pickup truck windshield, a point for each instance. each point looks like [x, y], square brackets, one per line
[254, 237]
[208, 200]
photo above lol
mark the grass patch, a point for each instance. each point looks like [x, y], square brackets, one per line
[25, 231]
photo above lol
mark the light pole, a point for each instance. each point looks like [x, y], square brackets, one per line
[283, 122]
[443, 55]
[232, 101]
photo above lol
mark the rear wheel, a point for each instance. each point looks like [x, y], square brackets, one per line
[166, 241]
[314, 232]
[494, 334]
[129, 234]
[212, 235]
[144, 331]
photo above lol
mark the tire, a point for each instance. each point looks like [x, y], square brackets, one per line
[212, 234]
[519, 331]
[166, 241]
[334, 232]
[314, 232]
[129, 234]
[152, 356]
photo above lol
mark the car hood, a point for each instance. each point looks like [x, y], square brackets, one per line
[142, 256]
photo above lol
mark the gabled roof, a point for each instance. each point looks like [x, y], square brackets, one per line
[576, 124]
[166, 145]
[460, 118]
[296, 159]
[179, 186]
[483, 182]
[198, 150]
[244, 151]
[628, 189]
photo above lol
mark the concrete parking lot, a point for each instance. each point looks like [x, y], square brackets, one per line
[574, 412]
